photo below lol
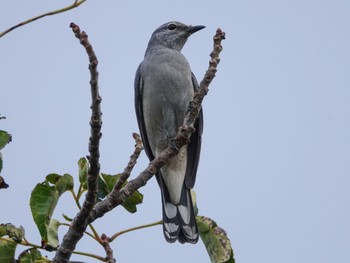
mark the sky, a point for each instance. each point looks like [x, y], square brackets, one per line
[275, 161]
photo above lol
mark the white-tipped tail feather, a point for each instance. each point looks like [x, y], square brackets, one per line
[179, 222]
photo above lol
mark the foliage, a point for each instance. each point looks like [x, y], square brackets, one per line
[215, 240]
[43, 202]
[5, 138]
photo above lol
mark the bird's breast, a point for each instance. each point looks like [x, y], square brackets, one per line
[167, 92]
[167, 76]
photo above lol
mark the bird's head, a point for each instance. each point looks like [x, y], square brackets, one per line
[173, 35]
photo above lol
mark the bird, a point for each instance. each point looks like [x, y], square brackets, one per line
[164, 87]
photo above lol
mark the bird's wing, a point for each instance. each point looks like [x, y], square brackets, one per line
[139, 112]
[194, 146]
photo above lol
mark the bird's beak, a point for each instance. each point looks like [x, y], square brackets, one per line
[193, 29]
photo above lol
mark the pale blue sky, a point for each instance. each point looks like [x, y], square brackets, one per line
[275, 166]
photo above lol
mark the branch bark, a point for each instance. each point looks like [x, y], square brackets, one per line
[108, 249]
[133, 158]
[79, 224]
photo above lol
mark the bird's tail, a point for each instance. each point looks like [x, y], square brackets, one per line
[179, 222]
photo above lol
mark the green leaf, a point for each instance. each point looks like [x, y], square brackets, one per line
[64, 183]
[67, 218]
[43, 202]
[215, 240]
[106, 183]
[110, 180]
[52, 234]
[7, 250]
[131, 202]
[52, 178]
[83, 165]
[5, 138]
[15, 233]
[1, 163]
[30, 256]
[8, 247]
[194, 202]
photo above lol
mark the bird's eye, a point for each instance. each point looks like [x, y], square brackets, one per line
[171, 26]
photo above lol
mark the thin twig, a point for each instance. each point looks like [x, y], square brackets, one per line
[108, 249]
[26, 243]
[79, 224]
[72, 6]
[133, 158]
[112, 238]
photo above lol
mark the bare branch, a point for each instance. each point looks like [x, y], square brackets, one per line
[117, 198]
[108, 249]
[133, 158]
[72, 6]
[112, 238]
[79, 224]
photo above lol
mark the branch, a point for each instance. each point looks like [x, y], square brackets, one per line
[112, 238]
[79, 224]
[72, 6]
[116, 198]
[133, 158]
[108, 249]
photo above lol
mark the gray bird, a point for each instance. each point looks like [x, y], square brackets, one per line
[164, 87]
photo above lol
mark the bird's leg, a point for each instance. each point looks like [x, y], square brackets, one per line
[174, 145]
